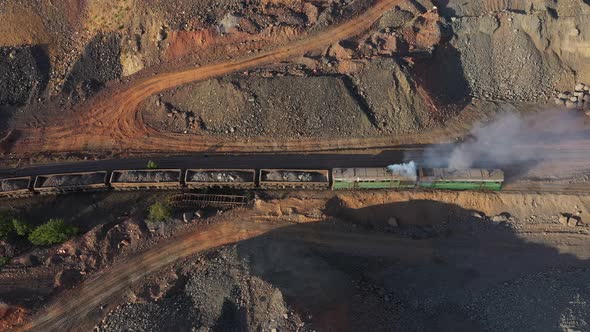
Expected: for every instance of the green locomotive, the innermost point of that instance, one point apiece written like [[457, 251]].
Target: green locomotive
[[428, 178], [372, 178]]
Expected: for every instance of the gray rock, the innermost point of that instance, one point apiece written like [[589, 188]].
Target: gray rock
[[499, 218]]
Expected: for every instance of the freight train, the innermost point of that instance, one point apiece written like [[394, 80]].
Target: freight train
[[391, 177]]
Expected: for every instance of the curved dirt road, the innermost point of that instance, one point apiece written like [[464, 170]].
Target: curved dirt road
[[76, 310], [71, 312], [117, 124]]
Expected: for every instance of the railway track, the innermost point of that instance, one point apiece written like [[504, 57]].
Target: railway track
[[56, 173], [548, 187]]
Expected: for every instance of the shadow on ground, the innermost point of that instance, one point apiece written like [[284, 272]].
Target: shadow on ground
[[405, 266], [441, 269]]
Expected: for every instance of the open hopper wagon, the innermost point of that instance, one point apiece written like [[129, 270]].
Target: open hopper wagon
[[146, 179], [15, 187], [233, 178], [294, 178], [66, 182]]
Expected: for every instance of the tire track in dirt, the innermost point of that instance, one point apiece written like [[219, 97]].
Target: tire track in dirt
[[74, 310], [71, 311], [117, 124]]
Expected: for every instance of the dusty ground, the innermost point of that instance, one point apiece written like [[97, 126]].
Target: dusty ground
[[405, 74], [98, 79], [363, 260]]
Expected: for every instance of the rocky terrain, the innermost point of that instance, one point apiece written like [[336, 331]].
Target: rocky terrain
[[220, 295], [104, 77], [422, 60], [420, 261]]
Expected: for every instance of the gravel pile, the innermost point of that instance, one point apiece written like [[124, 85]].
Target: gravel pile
[[14, 184], [221, 296], [579, 99], [177, 13], [68, 180], [515, 54], [549, 301], [146, 176], [211, 176], [166, 315], [99, 63], [294, 176], [277, 107], [390, 94], [24, 72]]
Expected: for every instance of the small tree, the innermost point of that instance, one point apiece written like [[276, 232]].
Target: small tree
[[9, 226], [160, 212], [6, 226], [53, 231], [21, 228], [152, 164]]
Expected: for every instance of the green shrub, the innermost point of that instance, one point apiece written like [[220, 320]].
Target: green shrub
[[3, 261], [9, 226], [152, 164], [21, 228], [160, 212], [53, 231], [6, 226]]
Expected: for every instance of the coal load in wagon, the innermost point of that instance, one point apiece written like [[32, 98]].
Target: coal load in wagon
[[14, 184], [146, 176], [72, 180], [219, 176], [294, 176]]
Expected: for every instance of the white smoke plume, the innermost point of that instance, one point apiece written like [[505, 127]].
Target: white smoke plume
[[510, 139], [407, 169]]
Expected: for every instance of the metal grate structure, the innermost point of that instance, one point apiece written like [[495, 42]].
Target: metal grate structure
[[189, 200]]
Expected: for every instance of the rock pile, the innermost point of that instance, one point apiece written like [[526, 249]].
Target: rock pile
[[579, 99], [13, 184], [143, 176], [73, 180], [24, 72], [220, 177], [294, 176]]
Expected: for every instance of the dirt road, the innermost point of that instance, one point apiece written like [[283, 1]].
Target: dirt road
[[72, 312], [77, 310], [115, 123]]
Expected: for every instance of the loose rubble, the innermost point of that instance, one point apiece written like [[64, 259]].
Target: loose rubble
[[293, 176], [146, 176], [72, 180], [226, 176], [577, 100]]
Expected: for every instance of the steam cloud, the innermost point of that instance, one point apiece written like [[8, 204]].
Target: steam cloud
[[509, 139], [408, 169]]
